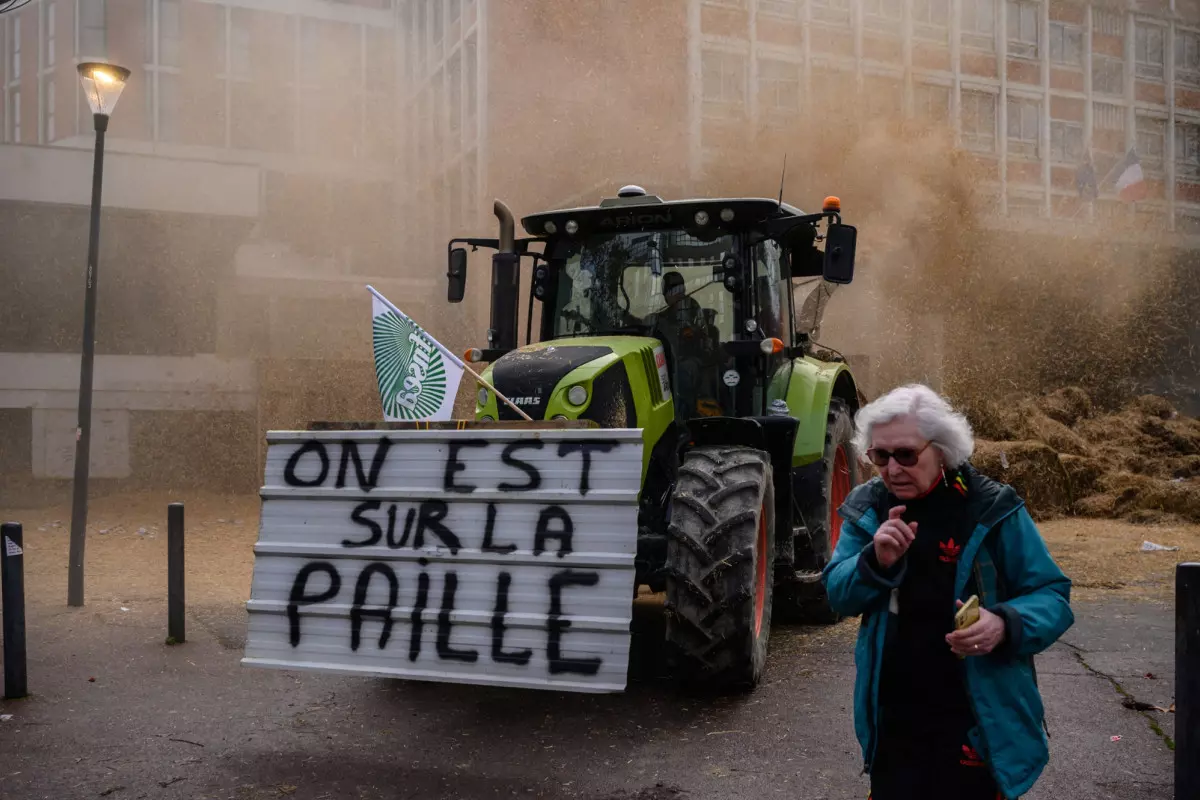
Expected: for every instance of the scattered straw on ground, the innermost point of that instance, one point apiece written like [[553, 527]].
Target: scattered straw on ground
[[1140, 463], [126, 549], [1103, 557]]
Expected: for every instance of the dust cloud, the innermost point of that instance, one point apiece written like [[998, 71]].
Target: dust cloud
[[943, 295]]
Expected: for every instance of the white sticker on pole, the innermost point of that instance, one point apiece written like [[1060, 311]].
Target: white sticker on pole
[[500, 557], [11, 548]]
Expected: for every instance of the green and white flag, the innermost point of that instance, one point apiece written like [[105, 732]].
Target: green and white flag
[[418, 377]]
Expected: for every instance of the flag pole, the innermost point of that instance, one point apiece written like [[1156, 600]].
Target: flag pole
[[451, 356]]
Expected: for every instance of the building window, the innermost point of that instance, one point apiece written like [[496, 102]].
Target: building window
[[1149, 50], [14, 47], [1108, 74], [883, 14], [931, 102], [979, 24], [1066, 142], [14, 116], [92, 30], [1151, 143], [48, 112], [834, 11], [48, 23], [884, 96], [240, 61], [979, 121], [779, 86], [931, 18], [1023, 28], [1023, 207], [454, 101], [1187, 57], [1188, 223], [163, 28], [1107, 117], [1108, 23], [1066, 45], [1187, 150], [789, 9], [723, 76], [1024, 125], [470, 88]]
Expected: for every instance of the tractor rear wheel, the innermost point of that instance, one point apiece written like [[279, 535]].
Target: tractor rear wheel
[[720, 567], [804, 599]]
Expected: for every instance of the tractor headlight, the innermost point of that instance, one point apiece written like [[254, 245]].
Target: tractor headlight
[[701, 217], [560, 417], [483, 397], [572, 226], [550, 227], [577, 395], [487, 418]]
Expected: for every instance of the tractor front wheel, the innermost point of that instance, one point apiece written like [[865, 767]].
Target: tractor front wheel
[[720, 567]]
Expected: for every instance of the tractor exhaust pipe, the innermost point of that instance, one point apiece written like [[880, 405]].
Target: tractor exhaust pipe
[[507, 226], [506, 279]]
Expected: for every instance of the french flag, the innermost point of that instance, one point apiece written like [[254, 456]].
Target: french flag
[[1131, 183]]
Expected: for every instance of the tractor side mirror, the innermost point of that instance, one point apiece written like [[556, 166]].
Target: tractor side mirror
[[456, 275], [840, 241]]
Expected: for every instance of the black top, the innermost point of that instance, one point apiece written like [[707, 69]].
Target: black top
[[922, 688]]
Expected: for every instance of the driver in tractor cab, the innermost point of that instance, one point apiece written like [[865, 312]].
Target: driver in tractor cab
[[682, 324]]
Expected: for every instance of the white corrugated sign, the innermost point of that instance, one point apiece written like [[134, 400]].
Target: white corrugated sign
[[502, 557]]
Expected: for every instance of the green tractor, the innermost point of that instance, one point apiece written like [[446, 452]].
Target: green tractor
[[678, 318]]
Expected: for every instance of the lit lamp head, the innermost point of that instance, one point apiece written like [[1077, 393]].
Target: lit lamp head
[[102, 85]]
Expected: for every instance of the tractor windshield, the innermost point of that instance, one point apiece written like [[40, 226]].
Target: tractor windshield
[[651, 283]]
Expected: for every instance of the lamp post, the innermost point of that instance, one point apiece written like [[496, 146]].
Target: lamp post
[[102, 85]]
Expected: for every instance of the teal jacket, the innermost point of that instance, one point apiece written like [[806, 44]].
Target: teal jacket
[[1006, 563]]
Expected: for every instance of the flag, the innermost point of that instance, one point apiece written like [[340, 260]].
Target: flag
[[1085, 180], [418, 377], [1131, 183]]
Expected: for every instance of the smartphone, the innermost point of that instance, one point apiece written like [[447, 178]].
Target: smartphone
[[968, 615]]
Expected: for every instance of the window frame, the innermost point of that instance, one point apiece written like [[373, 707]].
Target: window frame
[[974, 138]]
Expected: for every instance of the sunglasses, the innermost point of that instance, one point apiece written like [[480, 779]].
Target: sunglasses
[[905, 456]]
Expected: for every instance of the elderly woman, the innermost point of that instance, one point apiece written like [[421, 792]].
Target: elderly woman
[[941, 713]]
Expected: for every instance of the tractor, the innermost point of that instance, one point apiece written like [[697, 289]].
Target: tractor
[[679, 318]]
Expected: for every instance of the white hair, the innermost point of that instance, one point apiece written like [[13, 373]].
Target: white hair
[[937, 421]]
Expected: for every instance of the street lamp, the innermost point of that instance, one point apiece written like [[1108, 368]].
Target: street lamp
[[102, 85]]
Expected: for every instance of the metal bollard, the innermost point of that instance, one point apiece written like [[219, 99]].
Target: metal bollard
[[175, 573], [1187, 681], [12, 578]]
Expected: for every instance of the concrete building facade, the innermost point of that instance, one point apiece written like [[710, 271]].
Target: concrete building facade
[[249, 190]]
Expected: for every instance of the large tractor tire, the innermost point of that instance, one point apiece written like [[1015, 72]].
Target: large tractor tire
[[720, 565], [804, 599]]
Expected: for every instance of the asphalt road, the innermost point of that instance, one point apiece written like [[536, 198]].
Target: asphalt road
[[190, 722]]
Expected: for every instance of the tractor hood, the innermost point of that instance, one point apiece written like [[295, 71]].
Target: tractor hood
[[528, 376], [620, 374]]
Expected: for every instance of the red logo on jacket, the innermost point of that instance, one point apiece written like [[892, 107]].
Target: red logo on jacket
[[970, 758], [950, 551]]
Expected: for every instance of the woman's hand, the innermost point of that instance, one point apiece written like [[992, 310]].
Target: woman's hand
[[893, 538], [979, 639]]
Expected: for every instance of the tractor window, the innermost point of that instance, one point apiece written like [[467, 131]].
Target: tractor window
[[770, 288], [615, 283]]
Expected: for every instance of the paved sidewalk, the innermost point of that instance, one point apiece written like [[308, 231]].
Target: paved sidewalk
[[190, 722]]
